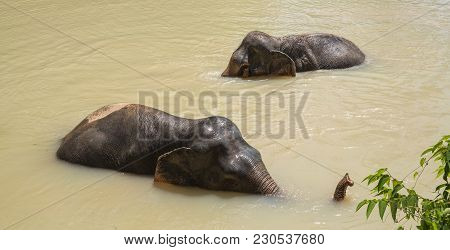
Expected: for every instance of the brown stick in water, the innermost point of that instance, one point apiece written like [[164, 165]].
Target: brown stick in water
[[341, 188]]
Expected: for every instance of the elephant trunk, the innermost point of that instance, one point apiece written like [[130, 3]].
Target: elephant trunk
[[267, 185]]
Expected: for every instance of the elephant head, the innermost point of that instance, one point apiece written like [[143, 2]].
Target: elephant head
[[260, 54], [218, 168]]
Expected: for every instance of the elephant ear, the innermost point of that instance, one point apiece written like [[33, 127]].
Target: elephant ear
[[269, 62], [185, 166], [281, 64], [258, 61], [173, 167]]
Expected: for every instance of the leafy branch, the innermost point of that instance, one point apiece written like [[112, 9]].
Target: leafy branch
[[392, 192]]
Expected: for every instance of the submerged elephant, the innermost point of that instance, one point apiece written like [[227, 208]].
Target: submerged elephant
[[263, 54], [209, 153]]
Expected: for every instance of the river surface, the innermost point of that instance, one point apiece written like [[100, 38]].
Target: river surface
[[61, 60]]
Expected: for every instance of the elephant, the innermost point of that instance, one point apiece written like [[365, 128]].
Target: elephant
[[208, 153], [341, 188], [262, 54]]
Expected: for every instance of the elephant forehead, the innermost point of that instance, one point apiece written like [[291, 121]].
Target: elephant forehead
[[105, 111]]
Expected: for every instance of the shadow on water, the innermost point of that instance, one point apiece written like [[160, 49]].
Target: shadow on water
[[197, 192], [170, 188]]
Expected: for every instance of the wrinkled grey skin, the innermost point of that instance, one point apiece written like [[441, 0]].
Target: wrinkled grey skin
[[209, 153], [263, 54]]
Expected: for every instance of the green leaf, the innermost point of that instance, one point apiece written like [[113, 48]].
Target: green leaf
[[426, 151], [439, 172], [422, 161], [382, 192], [415, 175], [435, 153], [367, 177], [440, 186], [362, 203], [396, 189], [396, 182], [411, 200], [394, 206], [381, 170], [382, 208], [437, 146], [384, 179], [404, 202], [370, 207], [372, 179]]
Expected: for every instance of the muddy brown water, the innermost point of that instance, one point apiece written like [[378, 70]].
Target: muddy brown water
[[62, 60]]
